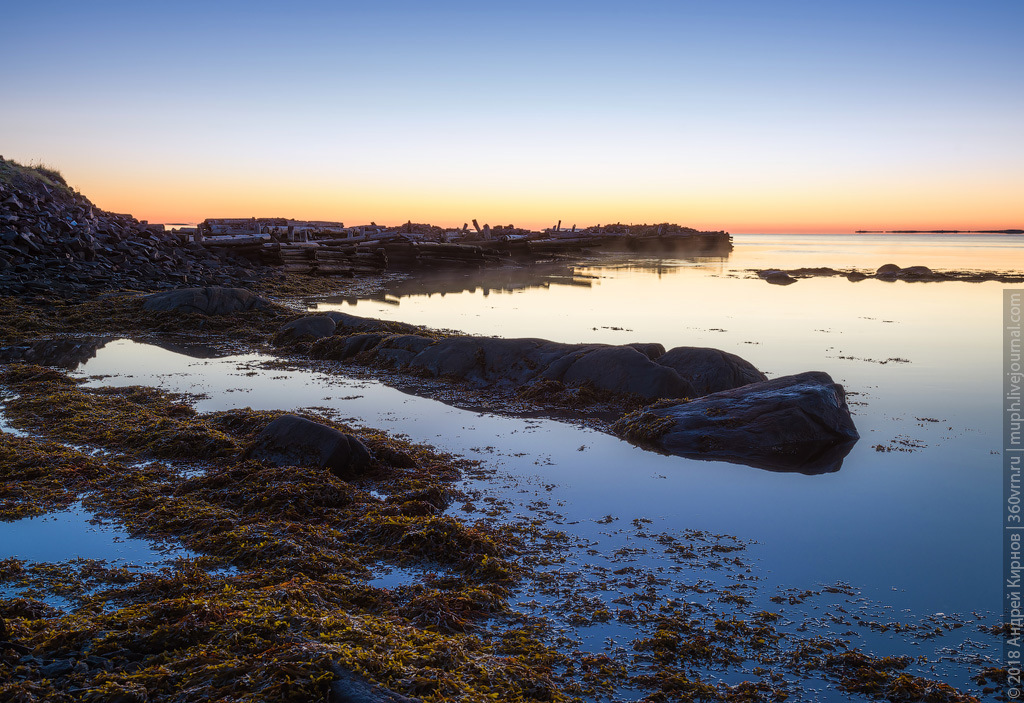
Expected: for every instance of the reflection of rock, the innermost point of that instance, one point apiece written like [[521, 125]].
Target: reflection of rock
[[64, 353], [794, 423], [295, 441], [212, 300]]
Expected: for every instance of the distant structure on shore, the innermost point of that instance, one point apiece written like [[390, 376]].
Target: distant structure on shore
[[315, 246]]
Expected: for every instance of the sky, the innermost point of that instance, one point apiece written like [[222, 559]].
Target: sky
[[748, 116]]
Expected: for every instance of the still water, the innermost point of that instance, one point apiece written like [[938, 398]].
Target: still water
[[921, 361], [912, 519]]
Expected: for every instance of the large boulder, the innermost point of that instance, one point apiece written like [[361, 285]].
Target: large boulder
[[308, 327], [295, 441], [710, 370], [212, 300], [488, 360], [794, 423], [626, 370]]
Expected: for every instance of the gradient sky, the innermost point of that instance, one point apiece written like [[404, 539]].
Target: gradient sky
[[740, 115]]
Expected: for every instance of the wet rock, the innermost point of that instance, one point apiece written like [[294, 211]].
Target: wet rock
[[890, 270], [295, 441], [309, 327], [779, 278], [60, 667], [352, 323], [340, 348], [486, 360], [210, 300], [652, 350], [710, 370], [399, 350], [626, 370], [349, 687], [795, 423], [855, 276], [917, 272]]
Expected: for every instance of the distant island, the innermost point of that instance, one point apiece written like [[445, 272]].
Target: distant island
[[940, 231]]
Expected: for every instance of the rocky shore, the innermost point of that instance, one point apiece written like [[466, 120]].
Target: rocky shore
[[287, 515], [54, 241]]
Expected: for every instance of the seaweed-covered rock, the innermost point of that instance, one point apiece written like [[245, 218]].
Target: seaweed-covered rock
[[295, 441], [308, 327], [794, 423], [211, 300], [711, 370]]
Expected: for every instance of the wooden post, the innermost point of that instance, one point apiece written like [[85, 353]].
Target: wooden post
[[574, 228], [487, 232], [476, 226], [290, 237], [558, 227]]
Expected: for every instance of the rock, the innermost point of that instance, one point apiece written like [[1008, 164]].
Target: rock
[[855, 276], [57, 668], [888, 270], [339, 348], [211, 300], [795, 423], [652, 350], [711, 370], [626, 370], [916, 272], [349, 687], [295, 441], [779, 278], [309, 327]]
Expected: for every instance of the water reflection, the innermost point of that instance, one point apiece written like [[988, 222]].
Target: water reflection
[[811, 459], [62, 353]]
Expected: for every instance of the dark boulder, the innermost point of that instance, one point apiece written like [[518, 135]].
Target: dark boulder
[[795, 423], [212, 300], [888, 271], [353, 323], [295, 441], [350, 687], [711, 370], [855, 276], [339, 348], [652, 350], [779, 278], [487, 360], [309, 327], [918, 273], [626, 370]]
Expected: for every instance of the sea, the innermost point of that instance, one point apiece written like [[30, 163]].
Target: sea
[[907, 530]]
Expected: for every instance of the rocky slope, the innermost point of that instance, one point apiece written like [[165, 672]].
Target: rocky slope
[[53, 240]]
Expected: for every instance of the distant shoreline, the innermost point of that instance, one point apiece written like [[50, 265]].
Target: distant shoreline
[[939, 231]]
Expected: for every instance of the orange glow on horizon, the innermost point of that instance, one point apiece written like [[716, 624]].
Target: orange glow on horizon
[[748, 208]]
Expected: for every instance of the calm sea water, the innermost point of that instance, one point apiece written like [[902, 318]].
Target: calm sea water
[[914, 527]]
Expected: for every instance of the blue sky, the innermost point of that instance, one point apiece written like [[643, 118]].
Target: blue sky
[[729, 114]]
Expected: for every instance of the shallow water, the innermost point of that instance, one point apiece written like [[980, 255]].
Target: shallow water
[[914, 530]]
